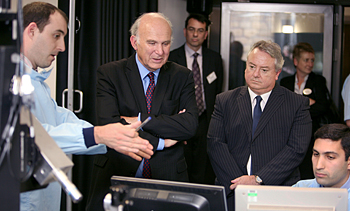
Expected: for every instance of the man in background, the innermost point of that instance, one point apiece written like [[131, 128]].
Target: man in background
[[237, 65], [288, 68], [259, 133], [43, 38], [207, 69], [307, 83], [142, 86], [330, 158]]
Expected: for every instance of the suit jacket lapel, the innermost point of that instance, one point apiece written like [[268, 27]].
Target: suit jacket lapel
[[246, 111], [182, 56], [275, 100], [161, 87], [135, 83], [206, 64], [309, 81]]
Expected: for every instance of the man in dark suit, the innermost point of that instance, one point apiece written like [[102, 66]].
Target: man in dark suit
[[259, 133], [209, 85], [146, 85], [307, 83]]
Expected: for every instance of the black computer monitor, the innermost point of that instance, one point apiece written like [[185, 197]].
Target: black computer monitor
[[215, 195]]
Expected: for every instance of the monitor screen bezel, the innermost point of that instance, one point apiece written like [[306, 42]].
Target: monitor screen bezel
[[215, 194], [265, 197]]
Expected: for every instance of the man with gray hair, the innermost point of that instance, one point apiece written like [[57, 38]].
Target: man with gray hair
[[142, 86], [259, 133]]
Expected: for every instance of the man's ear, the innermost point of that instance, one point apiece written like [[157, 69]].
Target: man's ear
[[31, 29], [277, 74], [206, 35], [348, 161], [133, 41]]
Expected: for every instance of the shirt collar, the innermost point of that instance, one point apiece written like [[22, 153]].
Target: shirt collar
[[264, 96], [143, 70], [305, 79], [190, 52], [42, 75], [346, 184]]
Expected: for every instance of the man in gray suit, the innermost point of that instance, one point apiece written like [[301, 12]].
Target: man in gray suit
[[259, 133]]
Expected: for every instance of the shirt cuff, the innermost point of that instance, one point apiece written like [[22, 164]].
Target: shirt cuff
[[89, 137], [160, 144]]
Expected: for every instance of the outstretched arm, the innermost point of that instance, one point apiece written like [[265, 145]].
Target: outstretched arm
[[124, 139]]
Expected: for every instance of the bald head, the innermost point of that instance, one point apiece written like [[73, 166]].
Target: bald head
[[151, 36], [148, 18]]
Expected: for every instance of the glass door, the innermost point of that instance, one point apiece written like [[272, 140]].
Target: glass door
[[243, 24]]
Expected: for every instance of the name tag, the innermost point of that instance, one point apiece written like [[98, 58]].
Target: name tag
[[211, 77]]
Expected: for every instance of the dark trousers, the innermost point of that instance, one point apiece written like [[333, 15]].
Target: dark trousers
[[198, 163]]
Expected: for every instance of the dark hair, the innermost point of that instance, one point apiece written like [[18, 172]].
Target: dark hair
[[39, 13], [302, 47], [336, 132], [199, 17], [236, 48]]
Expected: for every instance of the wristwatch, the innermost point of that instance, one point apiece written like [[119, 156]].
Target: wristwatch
[[258, 180]]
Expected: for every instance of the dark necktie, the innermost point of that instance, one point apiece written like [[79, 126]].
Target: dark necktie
[[146, 171], [257, 113], [198, 84]]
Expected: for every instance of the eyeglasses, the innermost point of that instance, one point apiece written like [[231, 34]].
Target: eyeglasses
[[193, 30]]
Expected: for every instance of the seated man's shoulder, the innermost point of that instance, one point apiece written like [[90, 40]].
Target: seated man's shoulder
[[308, 183]]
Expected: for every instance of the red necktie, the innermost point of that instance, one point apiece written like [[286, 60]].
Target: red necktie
[[146, 172]]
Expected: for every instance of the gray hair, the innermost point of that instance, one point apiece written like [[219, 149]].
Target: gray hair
[[273, 49], [134, 30]]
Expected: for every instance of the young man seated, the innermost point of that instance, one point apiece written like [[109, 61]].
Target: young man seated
[[330, 158]]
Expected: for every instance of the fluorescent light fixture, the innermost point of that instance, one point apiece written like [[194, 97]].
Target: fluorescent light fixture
[[287, 29]]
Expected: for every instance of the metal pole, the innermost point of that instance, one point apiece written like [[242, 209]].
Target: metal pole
[[70, 84]]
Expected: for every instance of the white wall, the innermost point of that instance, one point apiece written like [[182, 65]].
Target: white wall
[[175, 10]]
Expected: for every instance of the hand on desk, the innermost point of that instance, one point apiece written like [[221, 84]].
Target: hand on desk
[[243, 180], [124, 139]]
